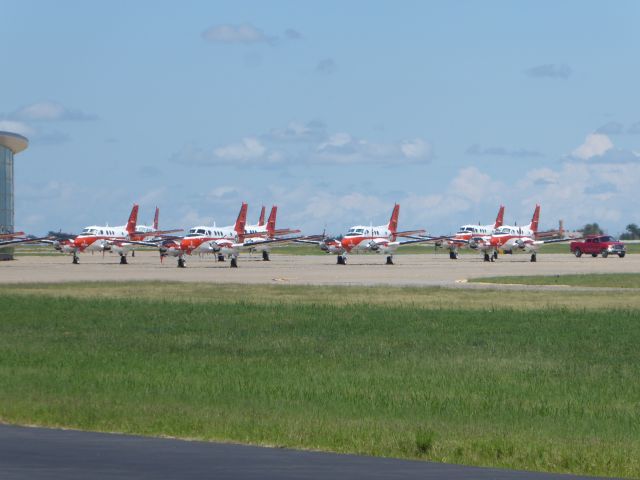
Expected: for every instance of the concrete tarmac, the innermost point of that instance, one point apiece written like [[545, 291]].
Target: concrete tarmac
[[52, 454], [411, 269]]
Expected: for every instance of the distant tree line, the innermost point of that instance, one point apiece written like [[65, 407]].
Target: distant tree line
[[632, 232]]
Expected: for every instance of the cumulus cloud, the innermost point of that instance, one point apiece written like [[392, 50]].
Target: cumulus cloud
[[308, 143], [248, 148], [343, 148], [36, 136], [415, 149], [594, 145], [326, 66], [549, 70], [13, 126], [50, 111], [236, 34], [501, 152]]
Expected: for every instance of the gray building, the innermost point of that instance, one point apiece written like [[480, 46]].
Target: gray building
[[10, 144]]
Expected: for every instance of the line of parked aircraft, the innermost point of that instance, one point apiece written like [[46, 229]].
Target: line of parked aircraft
[[230, 241]]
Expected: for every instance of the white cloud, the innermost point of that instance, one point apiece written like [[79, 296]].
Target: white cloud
[[247, 149], [417, 148], [595, 144], [306, 144], [50, 111], [230, 34], [13, 126]]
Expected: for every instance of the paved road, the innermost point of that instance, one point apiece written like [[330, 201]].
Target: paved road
[[38, 454]]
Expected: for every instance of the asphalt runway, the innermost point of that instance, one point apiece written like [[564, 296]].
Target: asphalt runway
[[51, 454], [427, 269]]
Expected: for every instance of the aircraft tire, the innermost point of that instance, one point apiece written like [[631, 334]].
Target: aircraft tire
[[234, 262], [389, 260], [123, 260], [265, 256], [534, 257]]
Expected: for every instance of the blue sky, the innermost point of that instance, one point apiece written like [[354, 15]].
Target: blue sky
[[332, 110]]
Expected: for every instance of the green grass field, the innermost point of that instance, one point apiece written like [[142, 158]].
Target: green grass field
[[489, 379], [618, 280]]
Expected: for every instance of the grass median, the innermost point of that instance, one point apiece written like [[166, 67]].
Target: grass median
[[550, 389], [607, 280]]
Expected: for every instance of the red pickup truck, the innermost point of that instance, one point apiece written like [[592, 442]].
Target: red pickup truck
[[598, 244]]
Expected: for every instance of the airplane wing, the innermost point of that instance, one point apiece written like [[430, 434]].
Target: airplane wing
[[409, 233], [556, 240], [309, 241], [11, 235], [158, 233], [264, 242], [423, 240], [7, 243]]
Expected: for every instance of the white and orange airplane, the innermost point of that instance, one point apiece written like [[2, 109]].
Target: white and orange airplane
[[511, 238], [260, 237], [467, 232], [381, 239], [255, 235], [223, 241], [203, 239], [118, 239]]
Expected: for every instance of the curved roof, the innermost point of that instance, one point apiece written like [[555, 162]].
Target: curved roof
[[14, 142]]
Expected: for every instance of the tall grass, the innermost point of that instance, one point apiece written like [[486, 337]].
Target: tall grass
[[546, 389]]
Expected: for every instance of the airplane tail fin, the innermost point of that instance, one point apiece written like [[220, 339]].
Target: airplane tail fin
[[535, 219], [261, 219], [393, 221], [133, 220], [156, 218], [499, 218], [271, 223], [241, 221]]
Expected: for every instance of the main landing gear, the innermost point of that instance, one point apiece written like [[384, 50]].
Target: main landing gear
[[453, 255], [265, 256], [123, 260], [220, 257], [389, 260], [181, 263], [234, 262], [342, 260], [491, 257], [534, 257], [75, 260]]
